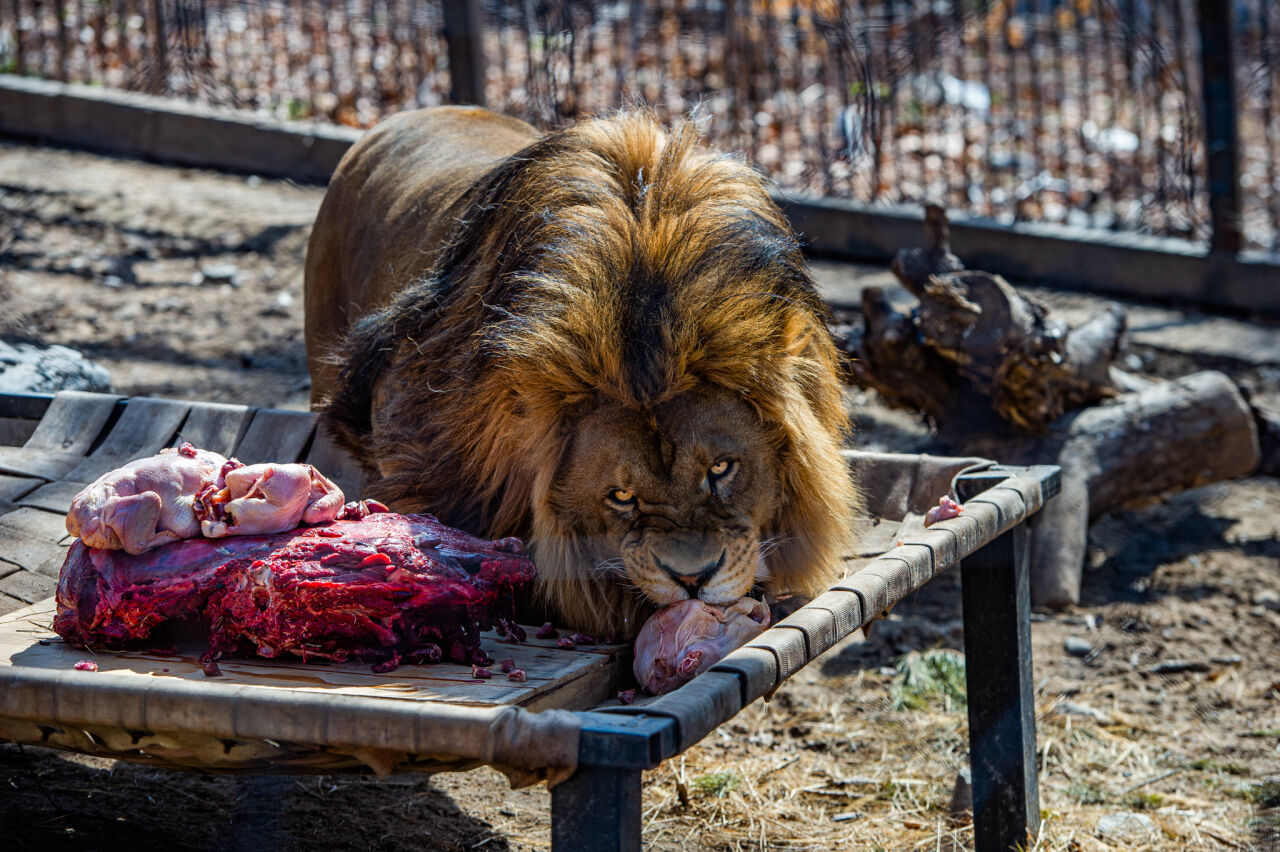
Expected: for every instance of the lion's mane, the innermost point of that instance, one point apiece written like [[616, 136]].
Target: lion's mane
[[608, 261]]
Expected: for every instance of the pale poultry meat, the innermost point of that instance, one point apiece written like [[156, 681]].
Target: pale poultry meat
[[184, 493], [268, 498], [145, 503]]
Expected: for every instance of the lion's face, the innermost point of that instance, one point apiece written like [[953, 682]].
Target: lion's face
[[674, 501]]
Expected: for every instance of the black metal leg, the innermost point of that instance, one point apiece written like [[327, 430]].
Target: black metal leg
[[1002, 721], [597, 809]]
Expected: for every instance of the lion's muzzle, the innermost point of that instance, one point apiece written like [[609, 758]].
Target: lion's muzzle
[[717, 567], [693, 582]]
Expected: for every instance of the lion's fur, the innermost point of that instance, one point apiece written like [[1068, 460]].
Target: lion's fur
[[611, 261]]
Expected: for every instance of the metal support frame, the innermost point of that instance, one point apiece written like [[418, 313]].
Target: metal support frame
[[996, 592], [598, 809], [1221, 125], [462, 32]]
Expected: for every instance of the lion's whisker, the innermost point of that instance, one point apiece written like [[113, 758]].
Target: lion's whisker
[[769, 545]]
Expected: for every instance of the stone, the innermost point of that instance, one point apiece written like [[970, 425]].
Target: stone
[[1268, 599], [26, 368], [219, 272], [1077, 647], [1179, 666], [1071, 708], [1127, 828]]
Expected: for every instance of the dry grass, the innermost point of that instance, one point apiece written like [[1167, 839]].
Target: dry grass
[[830, 764]]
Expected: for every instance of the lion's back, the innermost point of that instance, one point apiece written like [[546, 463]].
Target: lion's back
[[388, 210]]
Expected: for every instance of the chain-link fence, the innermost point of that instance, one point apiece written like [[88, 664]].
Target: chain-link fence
[[1084, 112]]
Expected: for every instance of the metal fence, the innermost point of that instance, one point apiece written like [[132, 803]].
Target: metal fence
[[1079, 111]]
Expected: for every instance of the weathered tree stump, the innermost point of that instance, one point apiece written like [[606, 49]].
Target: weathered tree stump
[[1000, 378], [974, 337]]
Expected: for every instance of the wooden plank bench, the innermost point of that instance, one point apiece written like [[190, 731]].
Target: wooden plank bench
[[286, 716]]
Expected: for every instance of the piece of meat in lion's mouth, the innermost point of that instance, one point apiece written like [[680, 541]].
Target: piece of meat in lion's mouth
[[383, 588], [687, 638]]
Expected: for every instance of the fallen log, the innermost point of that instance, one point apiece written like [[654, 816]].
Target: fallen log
[[1140, 446]]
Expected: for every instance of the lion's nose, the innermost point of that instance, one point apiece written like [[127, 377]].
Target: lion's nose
[[694, 582]]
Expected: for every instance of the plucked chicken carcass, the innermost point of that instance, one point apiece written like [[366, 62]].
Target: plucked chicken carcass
[[683, 640], [146, 503], [381, 589], [185, 492], [268, 498]]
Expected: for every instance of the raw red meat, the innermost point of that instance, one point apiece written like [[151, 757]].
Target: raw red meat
[[685, 639], [382, 589]]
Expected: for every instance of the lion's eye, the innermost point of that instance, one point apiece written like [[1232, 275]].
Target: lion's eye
[[720, 469], [623, 496]]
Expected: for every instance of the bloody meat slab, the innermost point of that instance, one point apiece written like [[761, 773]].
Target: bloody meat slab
[[382, 589]]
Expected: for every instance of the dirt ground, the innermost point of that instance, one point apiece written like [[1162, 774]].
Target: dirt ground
[[189, 284]]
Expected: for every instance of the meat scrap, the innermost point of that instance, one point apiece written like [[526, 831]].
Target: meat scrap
[[184, 493], [946, 508], [683, 640], [384, 589]]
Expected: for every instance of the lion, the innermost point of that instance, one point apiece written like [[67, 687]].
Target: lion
[[604, 340]]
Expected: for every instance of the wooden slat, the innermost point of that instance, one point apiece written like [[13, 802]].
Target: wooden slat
[[50, 526], [27, 586], [53, 497], [16, 487], [68, 429], [146, 426], [214, 426], [73, 422], [29, 552], [16, 431], [46, 464], [34, 540], [336, 463], [275, 435]]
